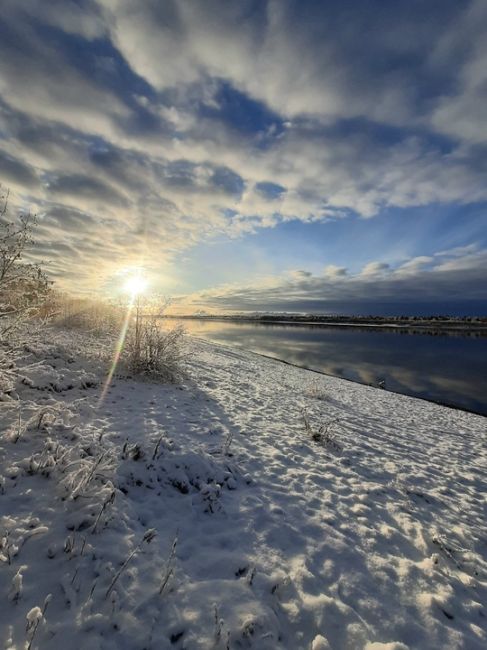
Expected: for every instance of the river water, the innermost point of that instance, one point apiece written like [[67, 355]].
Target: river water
[[450, 368]]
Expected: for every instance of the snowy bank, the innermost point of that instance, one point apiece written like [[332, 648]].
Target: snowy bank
[[254, 505]]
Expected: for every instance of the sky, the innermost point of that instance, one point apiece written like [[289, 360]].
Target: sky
[[253, 155]]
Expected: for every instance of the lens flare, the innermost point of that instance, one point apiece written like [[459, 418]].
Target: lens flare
[[136, 285], [118, 352]]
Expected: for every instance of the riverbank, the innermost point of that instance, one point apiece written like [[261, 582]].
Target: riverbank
[[254, 505], [449, 369], [472, 325]]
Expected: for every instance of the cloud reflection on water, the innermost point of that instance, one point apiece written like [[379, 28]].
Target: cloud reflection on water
[[444, 368]]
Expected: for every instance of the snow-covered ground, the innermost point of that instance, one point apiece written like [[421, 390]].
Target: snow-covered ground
[[254, 505]]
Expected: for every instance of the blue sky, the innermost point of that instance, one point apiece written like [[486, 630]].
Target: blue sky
[[291, 155]]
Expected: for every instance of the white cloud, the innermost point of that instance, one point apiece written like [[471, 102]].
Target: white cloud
[[461, 113], [374, 269], [67, 15], [333, 271], [415, 264], [147, 170]]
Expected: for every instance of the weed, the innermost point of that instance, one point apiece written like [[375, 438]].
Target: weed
[[323, 434], [107, 502], [169, 566], [315, 391], [227, 444], [146, 539]]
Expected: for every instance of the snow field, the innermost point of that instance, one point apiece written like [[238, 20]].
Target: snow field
[[255, 505]]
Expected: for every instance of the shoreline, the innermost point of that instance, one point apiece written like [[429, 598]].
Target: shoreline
[[327, 374], [359, 383], [426, 326], [439, 402]]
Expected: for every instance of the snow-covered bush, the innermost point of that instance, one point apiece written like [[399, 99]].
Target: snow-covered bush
[[23, 286], [153, 351], [147, 348]]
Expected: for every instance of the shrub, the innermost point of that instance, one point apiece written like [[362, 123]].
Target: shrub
[[23, 286], [154, 352], [148, 350]]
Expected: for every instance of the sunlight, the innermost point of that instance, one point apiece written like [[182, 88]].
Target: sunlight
[[118, 351], [136, 285]]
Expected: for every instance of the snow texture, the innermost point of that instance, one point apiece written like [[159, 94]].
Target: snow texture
[[254, 505]]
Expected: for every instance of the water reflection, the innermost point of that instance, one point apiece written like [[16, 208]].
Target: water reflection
[[449, 368]]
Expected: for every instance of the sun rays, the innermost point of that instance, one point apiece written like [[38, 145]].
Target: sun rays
[[135, 286]]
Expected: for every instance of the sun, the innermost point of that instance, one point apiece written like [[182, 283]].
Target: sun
[[136, 285]]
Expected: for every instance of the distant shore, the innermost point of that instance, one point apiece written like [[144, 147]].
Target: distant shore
[[443, 323]]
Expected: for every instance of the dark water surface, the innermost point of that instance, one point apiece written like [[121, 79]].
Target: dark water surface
[[450, 368]]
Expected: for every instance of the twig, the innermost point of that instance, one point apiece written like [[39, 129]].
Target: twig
[[108, 501], [169, 569], [156, 448], [147, 538]]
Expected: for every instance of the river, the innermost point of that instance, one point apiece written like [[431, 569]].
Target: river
[[449, 368]]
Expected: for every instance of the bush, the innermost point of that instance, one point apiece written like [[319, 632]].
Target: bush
[[23, 286], [154, 352], [148, 350]]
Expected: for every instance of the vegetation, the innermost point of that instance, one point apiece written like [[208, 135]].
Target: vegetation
[[87, 314], [25, 292], [148, 349], [151, 350], [434, 322], [323, 433], [24, 286]]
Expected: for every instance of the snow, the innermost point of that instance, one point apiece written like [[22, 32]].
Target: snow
[[254, 505]]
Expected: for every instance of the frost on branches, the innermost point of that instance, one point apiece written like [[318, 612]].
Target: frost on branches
[[23, 285]]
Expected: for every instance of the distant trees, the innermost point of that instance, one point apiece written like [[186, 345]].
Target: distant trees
[[23, 285]]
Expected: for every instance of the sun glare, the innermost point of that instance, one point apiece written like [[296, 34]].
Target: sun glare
[[136, 285]]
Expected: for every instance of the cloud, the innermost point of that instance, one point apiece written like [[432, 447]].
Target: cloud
[[17, 172], [460, 112], [299, 274], [444, 281], [415, 264], [298, 58], [36, 79], [78, 186], [306, 58], [154, 126], [374, 268], [67, 15], [333, 271]]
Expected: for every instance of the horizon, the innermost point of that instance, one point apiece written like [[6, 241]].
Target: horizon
[[320, 314], [292, 156]]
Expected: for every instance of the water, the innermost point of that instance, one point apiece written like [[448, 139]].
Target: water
[[450, 368]]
